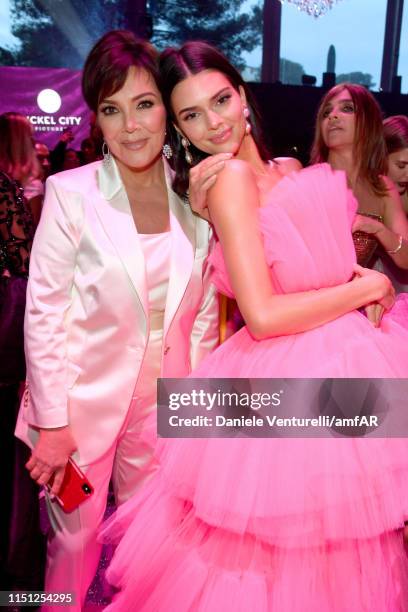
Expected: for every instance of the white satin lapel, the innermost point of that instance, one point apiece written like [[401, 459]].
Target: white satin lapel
[[182, 225], [116, 217]]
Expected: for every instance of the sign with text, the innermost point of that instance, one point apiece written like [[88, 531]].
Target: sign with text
[[51, 98], [282, 408]]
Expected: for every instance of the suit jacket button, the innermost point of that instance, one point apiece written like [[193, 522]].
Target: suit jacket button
[[166, 350]]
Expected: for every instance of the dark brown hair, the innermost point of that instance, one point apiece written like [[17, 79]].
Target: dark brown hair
[[108, 63], [176, 65], [396, 133], [369, 151]]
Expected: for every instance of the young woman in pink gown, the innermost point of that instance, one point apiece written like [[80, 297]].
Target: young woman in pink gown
[[272, 525]]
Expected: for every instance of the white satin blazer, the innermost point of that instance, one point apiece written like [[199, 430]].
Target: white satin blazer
[[86, 324]]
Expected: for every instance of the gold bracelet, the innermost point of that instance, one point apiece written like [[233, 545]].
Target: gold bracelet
[[398, 247]]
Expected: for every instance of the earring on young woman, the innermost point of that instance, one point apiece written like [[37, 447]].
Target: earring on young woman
[[186, 143], [247, 123], [107, 157]]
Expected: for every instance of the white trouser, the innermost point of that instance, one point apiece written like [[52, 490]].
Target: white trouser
[[73, 550]]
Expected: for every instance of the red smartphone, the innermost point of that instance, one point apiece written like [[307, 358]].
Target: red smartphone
[[75, 488]]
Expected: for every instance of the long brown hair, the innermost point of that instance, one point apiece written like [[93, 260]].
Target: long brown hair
[[369, 150], [176, 65], [17, 154]]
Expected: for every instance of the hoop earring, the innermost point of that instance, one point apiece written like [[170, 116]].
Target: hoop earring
[[107, 157], [247, 123], [186, 143], [167, 150]]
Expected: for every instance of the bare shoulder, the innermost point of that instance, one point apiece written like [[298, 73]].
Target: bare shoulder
[[288, 164], [394, 215], [235, 174], [236, 182], [392, 198], [388, 182], [237, 167]]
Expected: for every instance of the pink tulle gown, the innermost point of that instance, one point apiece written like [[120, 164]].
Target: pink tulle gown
[[279, 525]]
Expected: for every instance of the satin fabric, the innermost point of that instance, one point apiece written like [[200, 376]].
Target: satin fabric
[[89, 358], [86, 324]]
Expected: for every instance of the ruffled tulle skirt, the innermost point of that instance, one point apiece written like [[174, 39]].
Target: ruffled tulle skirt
[[270, 525], [182, 563]]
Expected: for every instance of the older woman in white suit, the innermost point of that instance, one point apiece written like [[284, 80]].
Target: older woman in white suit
[[118, 295]]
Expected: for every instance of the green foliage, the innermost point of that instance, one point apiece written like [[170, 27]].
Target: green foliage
[[359, 78], [55, 33], [223, 24], [6, 57], [58, 33]]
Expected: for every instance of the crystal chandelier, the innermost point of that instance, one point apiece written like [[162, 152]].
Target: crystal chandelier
[[316, 8]]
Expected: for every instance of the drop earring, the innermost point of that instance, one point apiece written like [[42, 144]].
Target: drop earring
[[107, 157], [186, 143], [247, 123]]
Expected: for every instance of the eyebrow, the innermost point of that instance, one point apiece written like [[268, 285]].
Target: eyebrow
[[330, 103], [190, 108], [134, 99]]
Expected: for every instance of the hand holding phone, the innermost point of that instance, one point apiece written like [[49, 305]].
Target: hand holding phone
[[50, 456], [75, 488]]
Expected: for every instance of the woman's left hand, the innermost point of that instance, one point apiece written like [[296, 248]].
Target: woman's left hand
[[375, 310], [366, 224], [374, 313]]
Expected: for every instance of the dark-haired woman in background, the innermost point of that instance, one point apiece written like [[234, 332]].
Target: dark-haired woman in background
[[118, 295], [264, 524], [396, 140]]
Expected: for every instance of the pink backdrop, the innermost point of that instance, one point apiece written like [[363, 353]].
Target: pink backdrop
[[20, 88]]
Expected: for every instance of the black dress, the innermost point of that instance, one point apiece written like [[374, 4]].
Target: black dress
[[22, 547]]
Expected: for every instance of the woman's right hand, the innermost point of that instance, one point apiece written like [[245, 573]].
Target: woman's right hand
[[202, 178], [50, 456], [380, 290]]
